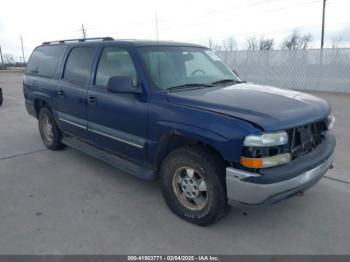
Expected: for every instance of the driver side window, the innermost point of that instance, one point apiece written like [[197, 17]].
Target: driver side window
[[114, 61]]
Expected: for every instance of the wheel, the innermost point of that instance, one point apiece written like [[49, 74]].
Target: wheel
[[193, 184], [49, 131]]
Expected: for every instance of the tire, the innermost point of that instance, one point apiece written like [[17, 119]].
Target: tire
[[50, 134], [181, 195]]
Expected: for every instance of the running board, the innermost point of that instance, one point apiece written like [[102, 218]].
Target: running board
[[113, 160]]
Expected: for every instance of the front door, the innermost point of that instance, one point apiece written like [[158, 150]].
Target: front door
[[116, 121]]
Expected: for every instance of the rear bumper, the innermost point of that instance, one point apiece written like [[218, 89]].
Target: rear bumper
[[241, 189]]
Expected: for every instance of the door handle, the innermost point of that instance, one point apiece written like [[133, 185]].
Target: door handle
[[91, 100], [60, 93]]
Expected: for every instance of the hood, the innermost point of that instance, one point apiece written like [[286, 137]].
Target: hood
[[268, 107]]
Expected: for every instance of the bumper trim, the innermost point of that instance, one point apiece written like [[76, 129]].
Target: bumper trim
[[248, 193]]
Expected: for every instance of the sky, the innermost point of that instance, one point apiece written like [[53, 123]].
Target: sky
[[180, 20]]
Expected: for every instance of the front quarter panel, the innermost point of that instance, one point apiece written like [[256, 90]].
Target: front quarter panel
[[223, 133]]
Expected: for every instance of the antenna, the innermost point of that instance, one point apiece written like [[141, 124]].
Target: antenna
[[157, 45], [83, 31], [24, 59]]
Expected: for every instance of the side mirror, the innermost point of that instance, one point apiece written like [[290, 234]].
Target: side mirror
[[122, 84]]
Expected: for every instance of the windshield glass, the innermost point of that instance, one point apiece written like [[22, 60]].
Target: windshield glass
[[176, 66]]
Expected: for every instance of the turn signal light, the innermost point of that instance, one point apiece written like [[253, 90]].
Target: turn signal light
[[252, 162], [265, 161]]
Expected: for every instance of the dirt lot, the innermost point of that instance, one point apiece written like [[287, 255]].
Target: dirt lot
[[68, 203]]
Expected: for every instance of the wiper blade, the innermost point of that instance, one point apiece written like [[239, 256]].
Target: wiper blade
[[224, 81], [184, 86]]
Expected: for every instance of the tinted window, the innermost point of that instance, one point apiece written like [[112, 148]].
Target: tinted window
[[44, 60], [114, 62], [78, 65]]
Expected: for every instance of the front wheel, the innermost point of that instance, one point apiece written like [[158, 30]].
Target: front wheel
[[49, 131], [193, 184]]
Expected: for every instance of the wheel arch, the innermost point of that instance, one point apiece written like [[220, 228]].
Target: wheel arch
[[174, 140]]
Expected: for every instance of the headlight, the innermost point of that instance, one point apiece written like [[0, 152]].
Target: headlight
[[266, 150], [330, 121], [267, 139]]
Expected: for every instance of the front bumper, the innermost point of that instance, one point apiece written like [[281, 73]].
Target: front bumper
[[241, 189]]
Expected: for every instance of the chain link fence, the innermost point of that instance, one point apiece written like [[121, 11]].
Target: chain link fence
[[311, 69]]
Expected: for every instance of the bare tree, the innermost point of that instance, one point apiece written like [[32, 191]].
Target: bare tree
[[8, 59], [229, 44], [296, 41], [213, 45], [305, 41], [210, 43], [252, 43], [336, 42], [217, 47], [266, 43]]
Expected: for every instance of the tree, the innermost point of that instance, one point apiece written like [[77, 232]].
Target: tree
[[296, 41], [260, 44], [229, 44], [336, 42], [217, 47], [266, 43], [8, 59], [252, 43], [210, 43]]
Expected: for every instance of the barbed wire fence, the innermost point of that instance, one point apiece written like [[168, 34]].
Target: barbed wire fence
[[310, 69]]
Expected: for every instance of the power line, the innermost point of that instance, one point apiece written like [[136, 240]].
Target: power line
[[288, 7], [208, 21], [266, 33]]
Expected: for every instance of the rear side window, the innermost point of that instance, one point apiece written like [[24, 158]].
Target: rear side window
[[114, 61], [78, 65], [44, 60]]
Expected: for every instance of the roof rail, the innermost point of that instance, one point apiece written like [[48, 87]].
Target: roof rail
[[79, 40]]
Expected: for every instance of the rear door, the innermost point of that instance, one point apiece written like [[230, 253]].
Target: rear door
[[72, 91], [40, 79], [117, 122]]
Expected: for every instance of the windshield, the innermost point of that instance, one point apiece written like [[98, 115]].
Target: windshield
[[178, 66]]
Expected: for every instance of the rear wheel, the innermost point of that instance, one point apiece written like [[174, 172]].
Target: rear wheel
[[49, 131], [193, 184]]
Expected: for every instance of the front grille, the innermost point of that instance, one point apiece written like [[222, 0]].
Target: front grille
[[304, 139]]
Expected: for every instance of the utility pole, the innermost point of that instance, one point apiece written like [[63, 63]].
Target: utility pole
[[323, 18], [84, 31], [2, 59], [24, 59]]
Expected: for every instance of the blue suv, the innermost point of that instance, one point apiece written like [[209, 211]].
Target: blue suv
[[176, 111]]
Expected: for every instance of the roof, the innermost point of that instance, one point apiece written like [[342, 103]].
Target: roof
[[135, 42]]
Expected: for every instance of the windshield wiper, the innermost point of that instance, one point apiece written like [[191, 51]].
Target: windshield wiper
[[225, 81], [189, 85]]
